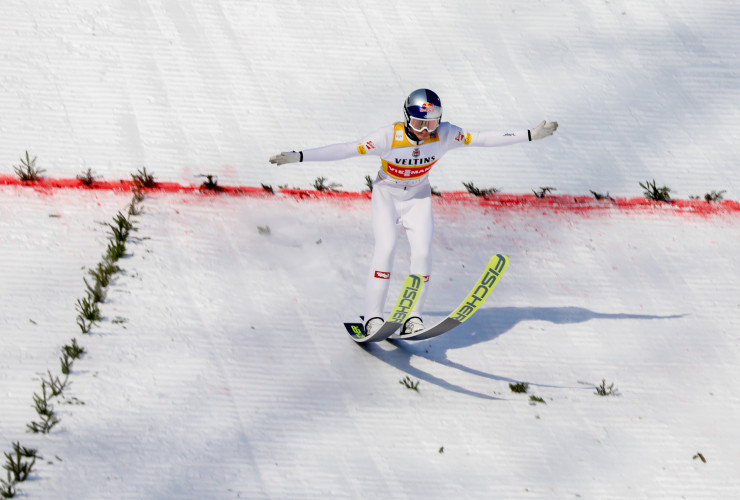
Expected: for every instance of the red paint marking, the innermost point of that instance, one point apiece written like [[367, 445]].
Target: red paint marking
[[521, 202], [122, 185], [587, 204]]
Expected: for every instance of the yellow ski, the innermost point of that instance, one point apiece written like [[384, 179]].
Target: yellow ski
[[480, 292]]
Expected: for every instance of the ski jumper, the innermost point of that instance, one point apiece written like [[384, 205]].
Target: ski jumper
[[402, 195]]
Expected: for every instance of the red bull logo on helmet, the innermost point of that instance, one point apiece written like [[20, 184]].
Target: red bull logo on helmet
[[426, 107]]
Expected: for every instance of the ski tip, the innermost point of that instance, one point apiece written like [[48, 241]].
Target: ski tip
[[356, 331]]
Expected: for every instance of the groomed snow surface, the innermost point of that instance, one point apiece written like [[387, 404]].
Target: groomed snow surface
[[221, 368]]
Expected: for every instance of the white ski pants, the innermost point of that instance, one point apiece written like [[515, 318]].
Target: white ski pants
[[393, 207]]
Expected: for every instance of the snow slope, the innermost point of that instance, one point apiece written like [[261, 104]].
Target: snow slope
[[227, 373], [221, 369], [641, 90]]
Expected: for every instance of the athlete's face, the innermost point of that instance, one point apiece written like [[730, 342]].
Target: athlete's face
[[423, 135]]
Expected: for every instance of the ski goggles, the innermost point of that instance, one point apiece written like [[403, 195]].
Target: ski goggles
[[422, 124]]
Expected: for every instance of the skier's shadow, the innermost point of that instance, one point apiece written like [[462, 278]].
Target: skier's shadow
[[486, 325]]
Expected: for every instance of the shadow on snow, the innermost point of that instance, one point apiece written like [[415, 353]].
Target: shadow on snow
[[486, 325]]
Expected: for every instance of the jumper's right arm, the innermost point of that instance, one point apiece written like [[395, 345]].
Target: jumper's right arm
[[325, 153], [372, 144]]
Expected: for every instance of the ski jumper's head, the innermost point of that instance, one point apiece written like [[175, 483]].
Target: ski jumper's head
[[423, 112]]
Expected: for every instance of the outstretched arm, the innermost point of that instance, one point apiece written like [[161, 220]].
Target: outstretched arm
[[496, 138], [325, 153], [544, 129], [372, 144]]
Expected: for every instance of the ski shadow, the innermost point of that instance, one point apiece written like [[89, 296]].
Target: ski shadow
[[486, 325]]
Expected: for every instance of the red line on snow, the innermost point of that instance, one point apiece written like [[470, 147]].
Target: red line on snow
[[523, 202], [121, 185], [586, 204]]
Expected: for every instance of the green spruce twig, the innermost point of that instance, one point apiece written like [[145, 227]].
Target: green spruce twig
[[138, 194], [533, 400], [45, 411], [121, 227], [95, 293], [133, 208], [73, 350], [66, 362], [27, 171], [715, 196], [211, 182], [104, 272], [320, 185], [519, 387], [7, 488], [600, 196], [55, 385], [604, 390], [18, 464], [87, 178], [409, 384], [143, 179], [543, 191], [89, 309], [655, 193], [85, 325], [115, 251], [480, 192]]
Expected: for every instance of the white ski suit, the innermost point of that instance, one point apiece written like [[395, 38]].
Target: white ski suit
[[402, 195]]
